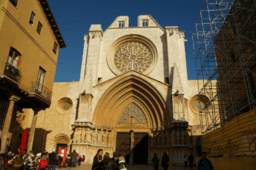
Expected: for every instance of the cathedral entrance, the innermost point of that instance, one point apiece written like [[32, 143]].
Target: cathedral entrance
[[140, 150], [133, 146]]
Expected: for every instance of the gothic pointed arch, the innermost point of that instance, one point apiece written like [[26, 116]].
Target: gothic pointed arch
[[131, 89]]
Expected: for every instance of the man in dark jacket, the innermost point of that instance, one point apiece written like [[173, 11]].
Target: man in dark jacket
[[108, 163], [191, 161], [204, 163], [73, 156], [53, 159], [165, 161]]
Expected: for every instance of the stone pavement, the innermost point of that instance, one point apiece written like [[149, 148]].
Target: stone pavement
[[129, 167]]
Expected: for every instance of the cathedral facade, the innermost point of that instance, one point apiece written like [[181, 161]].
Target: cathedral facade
[[133, 97]]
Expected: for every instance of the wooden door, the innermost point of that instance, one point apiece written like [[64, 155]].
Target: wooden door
[[123, 145], [140, 151]]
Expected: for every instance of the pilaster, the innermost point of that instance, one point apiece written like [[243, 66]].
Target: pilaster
[[91, 76], [84, 60], [176, 52]]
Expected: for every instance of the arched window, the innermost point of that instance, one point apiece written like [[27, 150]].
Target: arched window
[[145, 23], [13, 57]]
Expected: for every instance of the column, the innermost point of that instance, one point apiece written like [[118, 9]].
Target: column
[[7, 121], [32, 130]]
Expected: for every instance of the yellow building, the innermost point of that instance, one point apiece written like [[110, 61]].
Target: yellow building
[[29, 45]]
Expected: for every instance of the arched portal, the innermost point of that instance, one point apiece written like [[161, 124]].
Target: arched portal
[[133, 107], [131, 89]]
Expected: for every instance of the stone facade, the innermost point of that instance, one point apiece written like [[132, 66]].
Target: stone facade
[[141, 67]]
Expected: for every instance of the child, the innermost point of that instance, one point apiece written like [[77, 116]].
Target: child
[[121, 163]]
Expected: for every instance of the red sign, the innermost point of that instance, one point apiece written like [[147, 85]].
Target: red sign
[[63, 154]]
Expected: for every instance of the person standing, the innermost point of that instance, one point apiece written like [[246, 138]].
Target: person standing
[[83, 160], [73, 156], [165, 161], [42, 164], [108, 163], [68, 160], [79, 160], [97, 160], [191, 161], [53, 159], [155, 161], [18, 163], [204, 163], [186, 160]]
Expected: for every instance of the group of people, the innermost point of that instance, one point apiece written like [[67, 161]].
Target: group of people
[[40, 161], [101, 162]]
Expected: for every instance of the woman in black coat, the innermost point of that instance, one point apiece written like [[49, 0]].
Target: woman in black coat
[[165, 161], [155, 161], [97, 160], [108, 163]]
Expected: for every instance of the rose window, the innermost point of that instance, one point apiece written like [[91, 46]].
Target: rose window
[[133, 56], [199, 105]]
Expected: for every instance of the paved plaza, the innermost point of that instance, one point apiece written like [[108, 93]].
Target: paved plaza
[[129, 167]]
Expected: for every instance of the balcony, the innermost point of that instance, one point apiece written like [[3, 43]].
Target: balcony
[[12, 72], [41, 90]]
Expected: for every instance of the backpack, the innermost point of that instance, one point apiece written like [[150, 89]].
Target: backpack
[[42, 164]]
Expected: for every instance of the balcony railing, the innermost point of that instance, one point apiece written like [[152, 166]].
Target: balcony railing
[[40, 89], [12, 72]]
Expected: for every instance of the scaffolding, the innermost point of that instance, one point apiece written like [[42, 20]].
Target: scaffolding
[[224, 44]]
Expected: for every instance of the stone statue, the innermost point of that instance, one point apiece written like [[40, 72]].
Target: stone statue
[[99, 139], [178, 138], [159, 140], [174, 138], [88, 137], [108, 139], [93, 138], [182, 137], [104, 139], [163, 139], [74, 136]]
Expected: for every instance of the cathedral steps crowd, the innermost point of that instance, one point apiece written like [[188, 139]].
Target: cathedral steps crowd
[[53, 161]]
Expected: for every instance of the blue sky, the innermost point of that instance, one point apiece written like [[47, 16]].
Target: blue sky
[[75, 17]]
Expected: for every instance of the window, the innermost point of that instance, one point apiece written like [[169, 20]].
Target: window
[[13, 57], [166, 80], [31, 21], [14, 2], [145, 23], [99, 80], [55, 47], [39, 27], [121, 24], [40, 79]]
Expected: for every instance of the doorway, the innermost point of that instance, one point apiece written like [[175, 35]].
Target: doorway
[[140, 150], [123, 145]]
